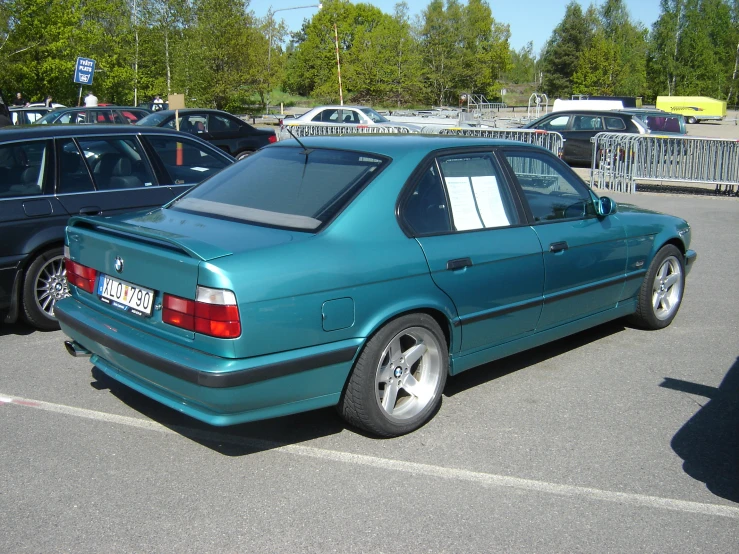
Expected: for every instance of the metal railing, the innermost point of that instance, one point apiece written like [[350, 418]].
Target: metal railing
[[327, 130], [550, 140], [620, 159]]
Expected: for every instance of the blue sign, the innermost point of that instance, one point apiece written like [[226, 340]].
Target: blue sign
[[84, 71]]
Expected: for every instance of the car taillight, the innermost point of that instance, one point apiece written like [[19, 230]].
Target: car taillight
[[272, 138], [80, 276], [213, 312]]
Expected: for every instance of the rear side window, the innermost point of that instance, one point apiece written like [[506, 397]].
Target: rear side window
[[615, 124], [117, 163], [74, 175], [220, 124], [285, 187], [22, 168], [587, 123], [477, 198], [185, 162]]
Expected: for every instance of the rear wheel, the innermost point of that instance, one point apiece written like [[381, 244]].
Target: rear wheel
[[661, 293], [691, 119], [44, 284], [243, 155], [397, 381]]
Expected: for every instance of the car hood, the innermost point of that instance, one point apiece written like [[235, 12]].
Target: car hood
[[202, 237]]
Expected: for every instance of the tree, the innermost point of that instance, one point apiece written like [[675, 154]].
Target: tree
[[562, 52]]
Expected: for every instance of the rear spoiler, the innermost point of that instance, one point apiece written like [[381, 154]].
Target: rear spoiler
[[192, 247]]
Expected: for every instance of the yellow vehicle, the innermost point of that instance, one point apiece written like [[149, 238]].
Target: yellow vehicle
[[694, 108]]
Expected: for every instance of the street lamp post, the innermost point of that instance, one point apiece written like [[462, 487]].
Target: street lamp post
[[272, 13]]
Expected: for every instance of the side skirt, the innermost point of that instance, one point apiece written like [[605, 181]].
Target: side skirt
[[458, 364]]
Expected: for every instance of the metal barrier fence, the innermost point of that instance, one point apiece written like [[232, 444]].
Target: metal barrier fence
[[620, 159], [327, 130], [552, 141]]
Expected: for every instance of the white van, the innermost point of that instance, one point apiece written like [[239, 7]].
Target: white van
[[561, 105]]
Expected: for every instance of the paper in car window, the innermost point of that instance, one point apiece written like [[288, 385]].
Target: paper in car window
[[464, 210], [489, 202], [199, 168]]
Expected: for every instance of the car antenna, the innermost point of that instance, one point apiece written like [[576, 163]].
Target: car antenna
[[306, 150]]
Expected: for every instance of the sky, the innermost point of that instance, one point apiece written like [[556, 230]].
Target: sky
[[530, 20]]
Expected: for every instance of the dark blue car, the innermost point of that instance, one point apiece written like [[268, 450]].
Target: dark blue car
[[49, 173]]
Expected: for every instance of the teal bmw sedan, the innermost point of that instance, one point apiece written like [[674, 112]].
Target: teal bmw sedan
[[359, 272]]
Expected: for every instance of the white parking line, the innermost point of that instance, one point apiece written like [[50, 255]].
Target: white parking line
[[480, 478]]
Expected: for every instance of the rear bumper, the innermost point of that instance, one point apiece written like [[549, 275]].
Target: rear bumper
[[218, 391]]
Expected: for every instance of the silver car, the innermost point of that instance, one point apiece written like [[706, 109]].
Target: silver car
[[342, 115]]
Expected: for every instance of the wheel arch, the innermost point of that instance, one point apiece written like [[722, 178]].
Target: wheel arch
[[17, 292]]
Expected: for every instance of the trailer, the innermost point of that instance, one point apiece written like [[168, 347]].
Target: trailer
[[694, 108]]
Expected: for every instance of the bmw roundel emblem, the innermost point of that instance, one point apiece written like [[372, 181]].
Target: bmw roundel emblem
[[118, 264]]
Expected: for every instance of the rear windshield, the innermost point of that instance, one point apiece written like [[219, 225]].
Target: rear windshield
[[285, 187]]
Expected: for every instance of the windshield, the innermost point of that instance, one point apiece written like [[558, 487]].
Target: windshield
[[48, 118], [153, 120], [284, 187], [374, 116]]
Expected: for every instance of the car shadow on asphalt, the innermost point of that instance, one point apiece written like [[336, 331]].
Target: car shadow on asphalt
[[500, 368], [18, 328], [249, 438], [708, 443]]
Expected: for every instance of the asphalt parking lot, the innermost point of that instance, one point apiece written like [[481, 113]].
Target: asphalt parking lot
[[614, 440]]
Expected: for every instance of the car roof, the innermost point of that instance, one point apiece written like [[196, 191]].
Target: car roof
[[192, 110], [61, 131], [399, 145]]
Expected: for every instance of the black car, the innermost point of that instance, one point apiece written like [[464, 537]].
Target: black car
[[98, 114], [49, 173], [222, 129], [577, 127]]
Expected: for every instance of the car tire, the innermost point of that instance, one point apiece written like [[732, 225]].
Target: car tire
[[396, 384], [691, 119], [45, 283], [661, 292], [242, 155]]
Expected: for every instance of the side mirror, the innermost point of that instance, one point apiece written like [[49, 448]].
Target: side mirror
[[605, 206]]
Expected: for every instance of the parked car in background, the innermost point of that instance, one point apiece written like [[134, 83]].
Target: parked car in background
[[577, 127], [48, 173], [220, 128], [343, 115], [371, 269], [27, 115], [99, 114], [659, 122]]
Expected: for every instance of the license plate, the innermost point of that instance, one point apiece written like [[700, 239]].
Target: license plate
[[125, 296]]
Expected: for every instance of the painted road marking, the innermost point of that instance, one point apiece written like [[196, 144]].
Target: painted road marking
[[480, 478]]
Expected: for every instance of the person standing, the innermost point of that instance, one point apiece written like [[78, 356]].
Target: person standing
[[157, 104], [91, 100], [19, 100], [48, 102]]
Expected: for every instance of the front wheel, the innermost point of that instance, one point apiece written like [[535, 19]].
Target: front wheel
[[397, 381], [691, 119], [44, 284], [661, 292]]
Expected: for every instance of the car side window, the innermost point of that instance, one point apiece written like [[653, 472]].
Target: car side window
[[551, 193], [350, 117], [426, 209], [185, 161], [74, 175], [194, 124], [117, 163], [22, 168], [220, 124], [478, 198], [555, 124], [587, 123], [615, 124]]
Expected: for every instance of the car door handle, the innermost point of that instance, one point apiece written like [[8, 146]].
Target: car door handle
[[558, 247], [90, 210], [459, 263]]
